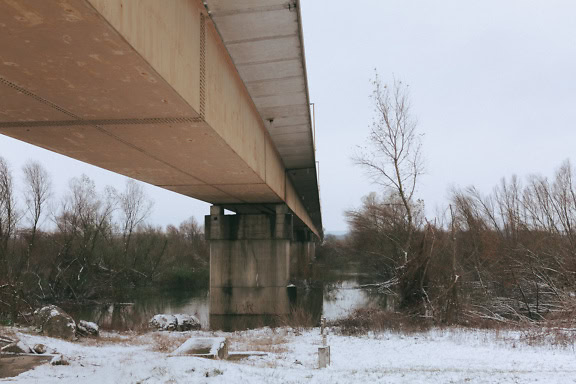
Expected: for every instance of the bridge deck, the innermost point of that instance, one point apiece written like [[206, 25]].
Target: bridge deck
[[143, 88]]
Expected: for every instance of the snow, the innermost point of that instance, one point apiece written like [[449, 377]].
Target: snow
[[437, 356], [212, 345]]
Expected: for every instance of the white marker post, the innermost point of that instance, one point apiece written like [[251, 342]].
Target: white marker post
[[324, 350]]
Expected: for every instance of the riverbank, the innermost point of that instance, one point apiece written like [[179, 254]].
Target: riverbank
[[434, 356]]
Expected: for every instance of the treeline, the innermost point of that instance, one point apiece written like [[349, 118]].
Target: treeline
[[509, 256], [88, 244]]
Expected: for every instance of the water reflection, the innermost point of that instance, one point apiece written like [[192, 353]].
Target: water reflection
[[333, 301], [348, 296], [135, 315]]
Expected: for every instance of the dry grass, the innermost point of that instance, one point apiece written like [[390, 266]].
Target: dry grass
[[559, 337], [167, 342], [298, 319], [157, 341], [271, 344], [365, 320], [104, 339], [561, 334]]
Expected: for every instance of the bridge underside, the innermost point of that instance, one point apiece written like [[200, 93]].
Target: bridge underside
[[143, 88], [148, 89]]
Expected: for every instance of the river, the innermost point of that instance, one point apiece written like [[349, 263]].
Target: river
[[333, 301]]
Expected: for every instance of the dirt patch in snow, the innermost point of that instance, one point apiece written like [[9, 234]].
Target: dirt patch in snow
[[11, 365]]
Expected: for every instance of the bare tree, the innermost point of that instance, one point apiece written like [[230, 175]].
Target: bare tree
[[135, 207], [8, 215], [393, 156], [84, 222], [193, 233], [36, 194]]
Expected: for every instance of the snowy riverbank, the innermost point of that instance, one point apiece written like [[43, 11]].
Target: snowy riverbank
[[438, 356]]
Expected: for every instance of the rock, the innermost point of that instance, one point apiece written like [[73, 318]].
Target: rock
[[54, 322], [16, 347], [187, 322], [164, 322], [87, 328], [209, 347], [178, 322], [40, 349], [59, 360]]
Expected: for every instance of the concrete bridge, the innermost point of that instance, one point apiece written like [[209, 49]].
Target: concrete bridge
[[208, 99]]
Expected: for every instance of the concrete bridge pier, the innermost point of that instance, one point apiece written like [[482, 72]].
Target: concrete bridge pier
[[249, 261], [302, 253]]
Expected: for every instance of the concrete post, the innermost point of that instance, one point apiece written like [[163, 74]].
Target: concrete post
[[323, 357], [249, 262]]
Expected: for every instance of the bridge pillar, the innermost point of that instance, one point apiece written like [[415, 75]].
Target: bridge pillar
[[302, 253], [249, 262]]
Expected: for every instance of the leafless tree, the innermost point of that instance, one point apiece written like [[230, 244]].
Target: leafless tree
[[392, 156], [37, 191], [8, 216], [134, 207], [84, 220]]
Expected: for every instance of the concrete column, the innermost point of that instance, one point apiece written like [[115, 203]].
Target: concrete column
[[302, 253], [249, 262]]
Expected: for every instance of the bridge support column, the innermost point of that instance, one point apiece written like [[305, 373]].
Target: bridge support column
[[249, 262], [302, 252]]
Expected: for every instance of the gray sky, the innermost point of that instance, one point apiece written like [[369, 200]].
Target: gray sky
[[493, 87]]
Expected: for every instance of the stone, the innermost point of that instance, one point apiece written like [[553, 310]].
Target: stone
[[164, 322], [177, 322], [187, 322], [16, 347], [54, 322], [40, 349], [87, 328], [209, 347], [59, 360]]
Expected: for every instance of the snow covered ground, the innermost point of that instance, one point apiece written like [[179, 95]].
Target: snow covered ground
[[438, 356]]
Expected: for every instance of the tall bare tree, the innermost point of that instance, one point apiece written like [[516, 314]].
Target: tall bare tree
[[37, 191], [392, 156], [134, 207], [8, 216]]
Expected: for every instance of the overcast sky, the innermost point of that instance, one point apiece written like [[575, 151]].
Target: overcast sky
[[493, 87]]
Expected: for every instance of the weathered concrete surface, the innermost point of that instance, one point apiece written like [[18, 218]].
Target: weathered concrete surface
[[302, 253], [264, 41], [249, 262], [249, 301]]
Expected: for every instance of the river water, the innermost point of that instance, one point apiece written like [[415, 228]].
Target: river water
[[333, 301]]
